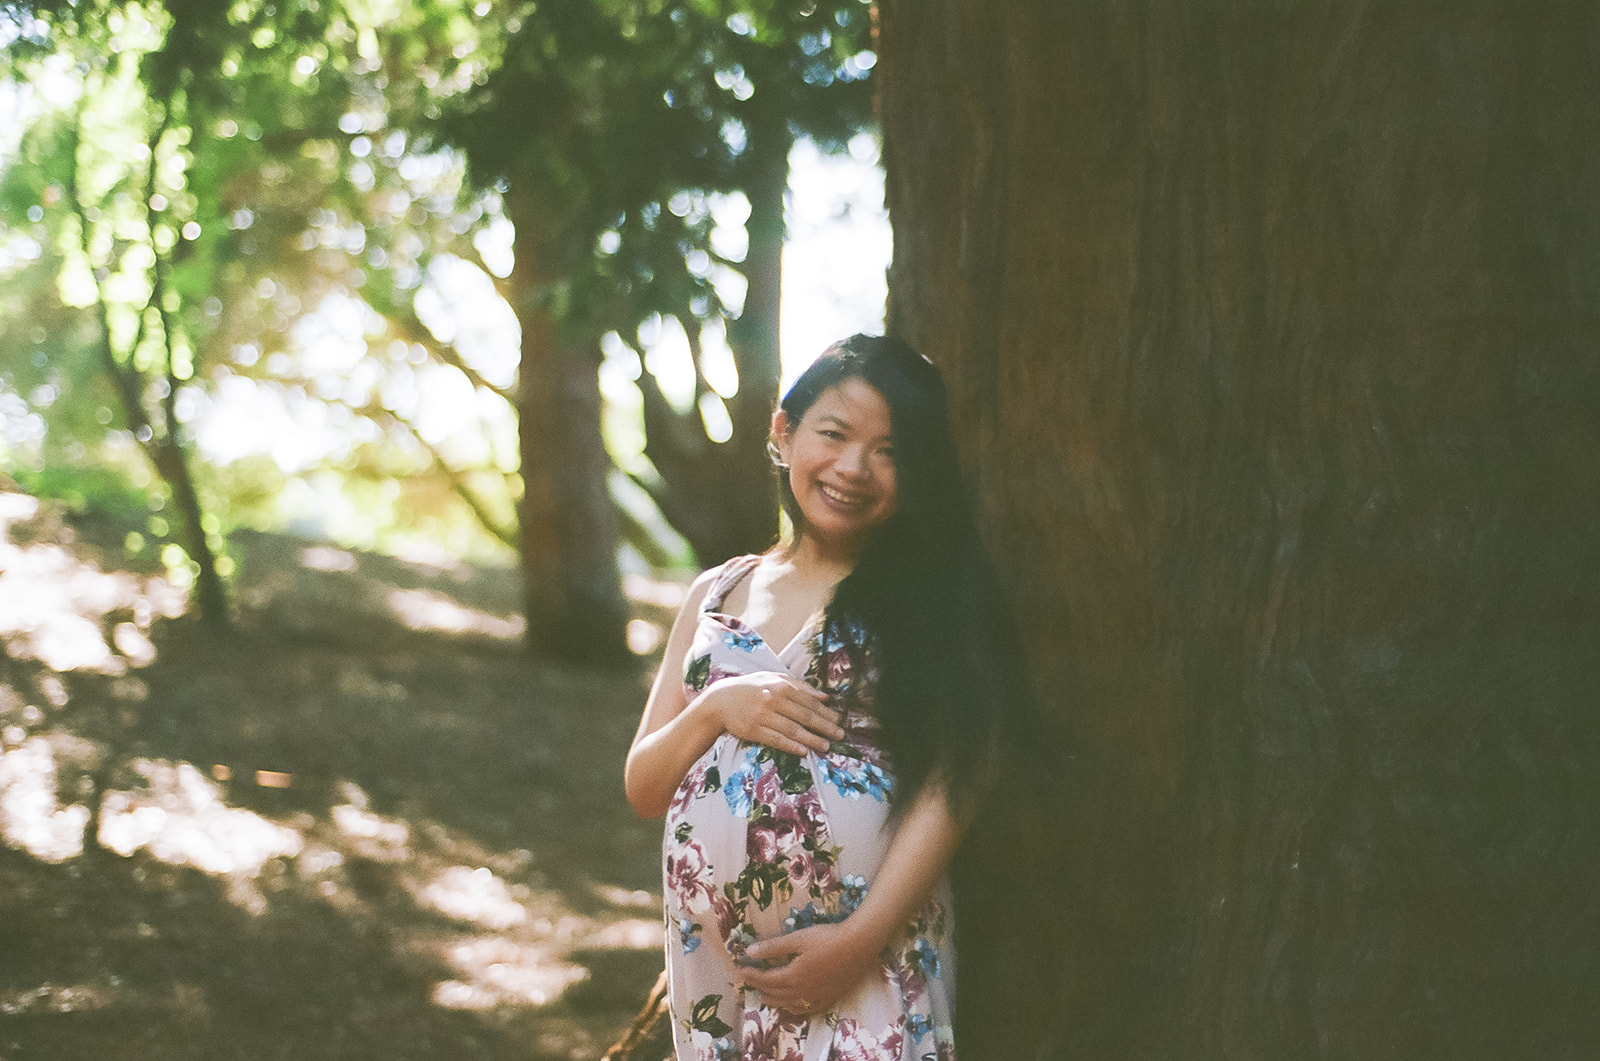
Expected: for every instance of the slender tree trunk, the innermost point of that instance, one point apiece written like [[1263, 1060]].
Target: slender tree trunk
[[172, 463], [571, 589], [162, 443], [1270, 334], [171, 460]]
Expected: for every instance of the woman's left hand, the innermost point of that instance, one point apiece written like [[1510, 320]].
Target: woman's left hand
[[825, 963]]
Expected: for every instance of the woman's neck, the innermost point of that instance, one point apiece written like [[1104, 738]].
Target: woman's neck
[[815, 559]]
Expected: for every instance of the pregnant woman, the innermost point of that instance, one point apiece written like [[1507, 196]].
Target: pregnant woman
[[821, 725]]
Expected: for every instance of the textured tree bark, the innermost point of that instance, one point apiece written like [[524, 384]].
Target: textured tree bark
[[568, 522], [1270, 331]]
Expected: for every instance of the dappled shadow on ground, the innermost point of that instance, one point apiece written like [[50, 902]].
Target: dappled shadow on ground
[[361, 824]]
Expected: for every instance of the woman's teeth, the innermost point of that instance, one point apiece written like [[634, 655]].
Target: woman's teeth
[[836, 496]]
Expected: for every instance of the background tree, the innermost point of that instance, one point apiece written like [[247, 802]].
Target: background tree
[[297, 207], [777, 72], [1269, 330], [337, 268], [121, 232], [628, 121], [589, 122]]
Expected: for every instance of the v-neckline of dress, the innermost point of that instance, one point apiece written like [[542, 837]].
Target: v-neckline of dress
[[739, 626]]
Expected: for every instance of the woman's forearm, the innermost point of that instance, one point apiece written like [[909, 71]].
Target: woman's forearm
[[659, 760], [673, 731], [920, 852], [825, 962]]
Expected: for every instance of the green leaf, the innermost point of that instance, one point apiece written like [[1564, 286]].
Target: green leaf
[[761, 881], [793, 773], [698, 672], [703, 1017]]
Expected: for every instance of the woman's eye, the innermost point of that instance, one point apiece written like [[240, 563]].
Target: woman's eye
[[831, 434]]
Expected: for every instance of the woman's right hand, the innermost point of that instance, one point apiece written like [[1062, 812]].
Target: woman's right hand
[[775, 709], [771, 708]]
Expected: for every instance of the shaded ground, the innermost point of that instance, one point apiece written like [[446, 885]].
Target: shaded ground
[[360, 826]]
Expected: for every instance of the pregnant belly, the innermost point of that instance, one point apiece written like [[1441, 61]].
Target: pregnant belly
[[770, 841]]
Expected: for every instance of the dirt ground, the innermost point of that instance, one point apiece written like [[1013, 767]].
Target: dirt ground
[[359, 825]]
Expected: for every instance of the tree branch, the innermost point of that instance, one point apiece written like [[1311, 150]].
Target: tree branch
[[409, 326], [639, 1034], [123, 378], [456, 478]]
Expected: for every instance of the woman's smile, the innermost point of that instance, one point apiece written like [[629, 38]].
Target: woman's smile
[[842, 498]]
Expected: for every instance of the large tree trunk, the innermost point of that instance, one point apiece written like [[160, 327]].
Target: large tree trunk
[[571, 589], [1270, 330]]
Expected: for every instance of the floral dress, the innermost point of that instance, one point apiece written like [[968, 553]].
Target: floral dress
[[762, 842]]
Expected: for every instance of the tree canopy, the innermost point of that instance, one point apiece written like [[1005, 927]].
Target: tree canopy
[[339, 211]]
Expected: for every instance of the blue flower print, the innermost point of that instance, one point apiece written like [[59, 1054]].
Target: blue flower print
[[799, 919], [854, 890], [862, 780], [747, 642], [838, 635], [918, 1025], [740, 791], [924, 956], [688, 934]]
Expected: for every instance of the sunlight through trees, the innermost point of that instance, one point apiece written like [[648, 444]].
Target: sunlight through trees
[[385, 242]]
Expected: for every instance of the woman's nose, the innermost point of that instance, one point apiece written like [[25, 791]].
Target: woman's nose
[[852, 460]]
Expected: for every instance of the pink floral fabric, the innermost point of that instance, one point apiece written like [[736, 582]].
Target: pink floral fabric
[[761, 842]]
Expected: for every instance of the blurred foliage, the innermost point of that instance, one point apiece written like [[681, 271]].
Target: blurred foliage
[[105, 491], [283, 223]]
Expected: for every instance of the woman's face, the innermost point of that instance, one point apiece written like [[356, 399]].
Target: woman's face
[[841, 463]]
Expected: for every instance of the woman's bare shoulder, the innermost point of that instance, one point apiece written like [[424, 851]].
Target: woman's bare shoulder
[[700, 588]]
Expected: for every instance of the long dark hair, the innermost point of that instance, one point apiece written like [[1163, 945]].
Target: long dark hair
[[950, 673]]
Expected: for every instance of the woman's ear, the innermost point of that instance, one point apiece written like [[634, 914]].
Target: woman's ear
[[778, 440]]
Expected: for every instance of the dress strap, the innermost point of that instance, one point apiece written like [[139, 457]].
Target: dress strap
[[730, 576]]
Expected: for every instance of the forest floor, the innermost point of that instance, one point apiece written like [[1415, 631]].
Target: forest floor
[[361, 824]]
